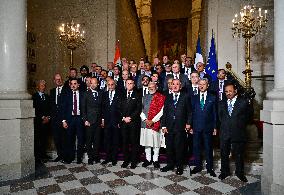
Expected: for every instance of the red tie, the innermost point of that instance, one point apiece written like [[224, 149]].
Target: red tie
[[75, 103]]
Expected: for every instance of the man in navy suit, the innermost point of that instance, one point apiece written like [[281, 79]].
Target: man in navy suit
[[204, 122], [56, 121], [200, 67], [110, 121], [175, 123], [234, 113], [217, 87], [131, 106], [92, 118], [72, 122]]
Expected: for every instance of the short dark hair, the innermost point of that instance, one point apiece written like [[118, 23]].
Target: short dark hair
[[230, 83], [84, 67], [73, 69], [194, 72], [73, 79], [223, 70]]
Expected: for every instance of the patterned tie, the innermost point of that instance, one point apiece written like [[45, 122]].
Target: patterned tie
[[230, 107], [75, 103], [175, 99], [42, 97], [195, 91], [202, 101]]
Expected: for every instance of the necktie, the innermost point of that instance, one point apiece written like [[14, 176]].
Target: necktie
[[57, 96], [187, 71], [128, 95], [202, 101], [75, 104], [95, 94], [145, 91], [110, 97], [221, 86], [175, 99], [230, 107], [42, 97], [195, 91]]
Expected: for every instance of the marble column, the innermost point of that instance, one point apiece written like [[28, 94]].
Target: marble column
[[273, 115], [145, 16], [16, 109], [195, 24]]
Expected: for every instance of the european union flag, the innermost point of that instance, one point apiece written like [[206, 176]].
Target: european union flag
[[212, 66]]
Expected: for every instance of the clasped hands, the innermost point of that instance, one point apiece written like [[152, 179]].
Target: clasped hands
[[149, 123]]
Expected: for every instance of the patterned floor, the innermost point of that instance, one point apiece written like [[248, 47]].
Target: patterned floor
[[57, 178]]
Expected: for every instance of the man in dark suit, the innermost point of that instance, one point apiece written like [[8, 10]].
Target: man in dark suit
[[56, 120], [175, 123], [121, 83], [234, 114], [41, 121], [130, 108], [92, 118], [203, 126], [111, 119], [217, 87], [72, 122], [192, 89], [200, 67], [177, 75], [188, 68]]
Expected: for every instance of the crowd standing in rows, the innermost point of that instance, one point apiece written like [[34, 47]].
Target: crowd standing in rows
[[176, 106]]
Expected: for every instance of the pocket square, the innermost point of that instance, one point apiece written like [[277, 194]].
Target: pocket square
[[133, 98]]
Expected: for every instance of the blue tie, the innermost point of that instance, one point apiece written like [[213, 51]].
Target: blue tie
[[230, 107]]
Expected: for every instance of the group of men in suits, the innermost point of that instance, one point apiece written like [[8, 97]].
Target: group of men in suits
[[177, 102]]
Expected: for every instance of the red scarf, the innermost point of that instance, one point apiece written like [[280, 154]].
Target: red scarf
[[156, 105]]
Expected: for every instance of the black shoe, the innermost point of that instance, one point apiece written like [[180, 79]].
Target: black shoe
[[133, 166], [211, 172], [167, 168], [179, 171], [97, 160], [223, 176], [196, 170], [57, 159], [156, 164], [146, 163], [124, 164], [79, 161], [105, 162], [242, 178], [90, 162], [114, 162]]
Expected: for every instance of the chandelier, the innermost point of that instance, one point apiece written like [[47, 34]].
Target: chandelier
[[72, 36], [248, 24]]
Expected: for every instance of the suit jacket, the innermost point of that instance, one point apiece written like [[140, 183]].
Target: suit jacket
[[183, 79], [181, 112], [42, 107], [233, 127], [55, 108], [92, 107], [204, 119], [67, 104], [131, 107], [111, 112], [182, 70], [190, 90], [120, 86], [214, 89]]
